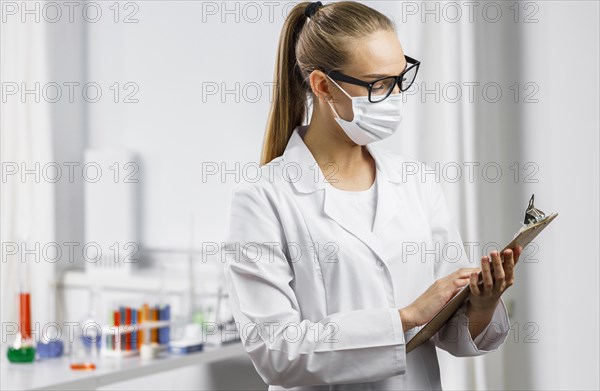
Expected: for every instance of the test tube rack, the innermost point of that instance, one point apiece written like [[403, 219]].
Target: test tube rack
[[121, 333]]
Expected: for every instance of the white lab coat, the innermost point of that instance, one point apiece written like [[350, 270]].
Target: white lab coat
[[316, 299]]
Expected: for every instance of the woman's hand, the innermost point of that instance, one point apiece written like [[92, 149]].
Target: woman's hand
[[484, 298], [424, 308]]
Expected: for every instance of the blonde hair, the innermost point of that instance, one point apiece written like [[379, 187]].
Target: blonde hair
[[324, 42]]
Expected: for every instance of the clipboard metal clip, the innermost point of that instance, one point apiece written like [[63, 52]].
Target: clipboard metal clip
[[532, 214]]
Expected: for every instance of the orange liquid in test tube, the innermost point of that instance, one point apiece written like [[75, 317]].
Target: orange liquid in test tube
[[83, 367], [25, 315]]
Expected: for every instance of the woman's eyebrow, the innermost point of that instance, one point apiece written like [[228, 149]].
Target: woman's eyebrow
[[378, 75], [375, 75]]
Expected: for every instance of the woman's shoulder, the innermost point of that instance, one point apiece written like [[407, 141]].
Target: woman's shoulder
[[259, 179]]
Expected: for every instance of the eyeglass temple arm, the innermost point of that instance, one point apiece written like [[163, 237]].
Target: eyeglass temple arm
[[348, 79], [411, 60]]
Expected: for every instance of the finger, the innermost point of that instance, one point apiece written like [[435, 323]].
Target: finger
[[509, 267], [460, 284], [488, 283], [517, 253], [498, 263], [466, 272], [473, 284]]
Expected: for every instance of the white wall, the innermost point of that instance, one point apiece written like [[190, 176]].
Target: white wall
[[171, 54], [560, 293]]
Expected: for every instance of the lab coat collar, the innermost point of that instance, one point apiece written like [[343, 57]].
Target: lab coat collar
[[298, 158]]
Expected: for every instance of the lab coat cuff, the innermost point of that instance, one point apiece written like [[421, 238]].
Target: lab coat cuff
[[494, 334], [400, 349]]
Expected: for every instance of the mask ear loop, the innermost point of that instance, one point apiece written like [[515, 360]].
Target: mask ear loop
[[338, 86], [329, 102]]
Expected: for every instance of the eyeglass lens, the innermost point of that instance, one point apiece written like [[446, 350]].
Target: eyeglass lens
[[383, 88]]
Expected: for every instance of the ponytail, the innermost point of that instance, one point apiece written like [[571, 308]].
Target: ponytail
[[288, 109], [324, 42]]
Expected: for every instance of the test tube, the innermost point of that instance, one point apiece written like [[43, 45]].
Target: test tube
[[24, 302]]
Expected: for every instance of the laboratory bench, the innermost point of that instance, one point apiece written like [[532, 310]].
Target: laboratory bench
[[56, 374]]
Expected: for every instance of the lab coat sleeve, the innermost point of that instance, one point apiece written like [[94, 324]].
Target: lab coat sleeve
[[456, 339], [454, 336], [285, 348]]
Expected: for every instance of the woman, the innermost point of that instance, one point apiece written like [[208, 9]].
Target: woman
[[335, 258]]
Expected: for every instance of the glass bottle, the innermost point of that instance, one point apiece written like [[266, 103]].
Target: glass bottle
[[86, 344]]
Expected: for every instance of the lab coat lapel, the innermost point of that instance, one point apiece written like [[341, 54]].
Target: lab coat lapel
[[387, 204]]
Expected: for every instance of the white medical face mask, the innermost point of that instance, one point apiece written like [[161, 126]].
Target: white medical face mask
[[372, 121]]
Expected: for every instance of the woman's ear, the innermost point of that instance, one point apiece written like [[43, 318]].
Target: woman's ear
[[320, 86]]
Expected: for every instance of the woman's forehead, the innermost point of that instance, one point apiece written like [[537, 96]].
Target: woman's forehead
[[379, 54]]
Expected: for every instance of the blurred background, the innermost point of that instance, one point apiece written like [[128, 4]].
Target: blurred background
[[125, 125]]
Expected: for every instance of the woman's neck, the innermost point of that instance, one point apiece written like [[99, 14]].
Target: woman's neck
[[328, 144]]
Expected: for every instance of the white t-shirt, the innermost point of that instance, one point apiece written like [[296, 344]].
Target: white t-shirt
[[361, 204]]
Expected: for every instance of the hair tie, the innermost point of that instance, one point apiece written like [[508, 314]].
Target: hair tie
[[312, 8]]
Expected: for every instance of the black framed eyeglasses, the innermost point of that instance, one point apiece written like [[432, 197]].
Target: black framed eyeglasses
[[381, 88]]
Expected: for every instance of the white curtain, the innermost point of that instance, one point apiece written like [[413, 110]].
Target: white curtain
[[27, 209]]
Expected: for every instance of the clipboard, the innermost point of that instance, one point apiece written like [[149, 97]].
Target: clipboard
[[535, 222]]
